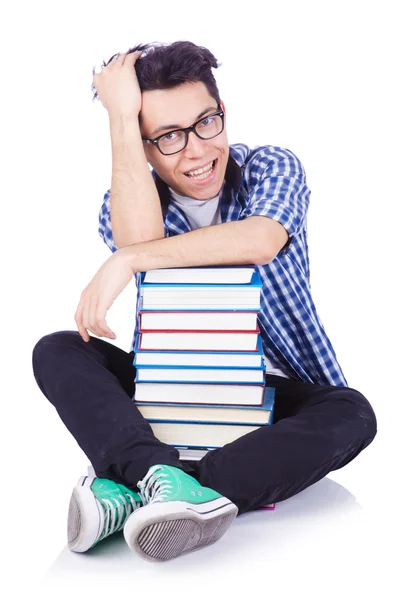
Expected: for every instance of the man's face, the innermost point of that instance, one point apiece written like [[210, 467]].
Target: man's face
[[181, 107]]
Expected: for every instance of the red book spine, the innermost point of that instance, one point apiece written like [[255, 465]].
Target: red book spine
[[198, 331]]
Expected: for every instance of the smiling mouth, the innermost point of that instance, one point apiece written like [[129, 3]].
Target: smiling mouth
[[203, 172]]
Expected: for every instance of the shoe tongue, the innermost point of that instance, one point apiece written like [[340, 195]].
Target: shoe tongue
[[162, 482]]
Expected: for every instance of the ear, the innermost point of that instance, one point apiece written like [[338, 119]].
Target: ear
[[223, 107]]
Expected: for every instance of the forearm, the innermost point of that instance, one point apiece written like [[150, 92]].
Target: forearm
[[232, 243], [135, 209]]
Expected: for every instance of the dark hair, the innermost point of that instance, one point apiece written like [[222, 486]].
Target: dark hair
[[165, 66]]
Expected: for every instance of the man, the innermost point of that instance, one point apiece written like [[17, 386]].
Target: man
[[204, 204]]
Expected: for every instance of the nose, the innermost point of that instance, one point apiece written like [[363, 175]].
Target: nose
[[195, 146]]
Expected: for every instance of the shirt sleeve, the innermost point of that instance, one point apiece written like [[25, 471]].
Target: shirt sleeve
[[277, 188], [105, 224]]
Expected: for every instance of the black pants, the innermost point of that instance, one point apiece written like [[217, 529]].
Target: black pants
[[316, 429]]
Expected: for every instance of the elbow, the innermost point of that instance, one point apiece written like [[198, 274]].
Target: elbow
[[271, 238], [265, 255], [261, 259]]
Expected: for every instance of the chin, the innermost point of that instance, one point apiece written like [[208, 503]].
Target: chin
[[205, 190], [207, 195]]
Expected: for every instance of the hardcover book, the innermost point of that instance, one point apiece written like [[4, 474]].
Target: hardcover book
[[199, 340], [235, 360], [229, 274], [239, 415], [198, 321], [175, 296], [202, 434], [199, 374], [250, 394]]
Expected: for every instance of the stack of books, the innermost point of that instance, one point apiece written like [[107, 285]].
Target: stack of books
[[200, 373]]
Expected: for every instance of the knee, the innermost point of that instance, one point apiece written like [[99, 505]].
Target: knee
[[363, 416], [46, 347]]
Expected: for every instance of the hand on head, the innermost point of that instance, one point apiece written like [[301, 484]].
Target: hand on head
[[117, 85]]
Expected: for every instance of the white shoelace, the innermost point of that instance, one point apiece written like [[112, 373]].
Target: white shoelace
[[152, 489], [124, 509]]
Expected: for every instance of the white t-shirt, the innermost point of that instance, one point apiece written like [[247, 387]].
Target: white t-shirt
[[202, 213]]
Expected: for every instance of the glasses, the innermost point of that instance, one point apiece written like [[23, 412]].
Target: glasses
[[176, 140]]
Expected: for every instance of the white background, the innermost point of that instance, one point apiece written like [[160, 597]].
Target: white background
[[315, 77]]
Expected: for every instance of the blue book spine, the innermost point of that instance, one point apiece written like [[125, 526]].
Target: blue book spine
[[255, 282], [188, 309], [203, 381], [261, 367], [221, 423]]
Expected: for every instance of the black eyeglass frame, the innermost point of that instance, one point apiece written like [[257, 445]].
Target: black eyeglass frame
[[186, 131]]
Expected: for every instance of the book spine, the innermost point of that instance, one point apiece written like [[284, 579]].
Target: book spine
[[202, 331], [209, 422], [200, 367]]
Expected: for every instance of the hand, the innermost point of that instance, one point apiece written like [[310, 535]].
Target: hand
[[117, 86], [99, 295]]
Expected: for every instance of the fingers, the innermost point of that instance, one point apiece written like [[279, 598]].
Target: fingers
[[118, 60], [95, 319], [90, 317], [101, 324], [132, 57], [78, 317], [126, 57]]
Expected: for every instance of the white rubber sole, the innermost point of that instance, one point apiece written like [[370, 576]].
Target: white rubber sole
[[85, 518], [164, 530]]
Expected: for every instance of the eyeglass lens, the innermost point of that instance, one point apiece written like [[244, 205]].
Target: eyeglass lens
[[206, 129]]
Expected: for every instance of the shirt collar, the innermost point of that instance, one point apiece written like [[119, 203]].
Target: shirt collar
[[233, 176]]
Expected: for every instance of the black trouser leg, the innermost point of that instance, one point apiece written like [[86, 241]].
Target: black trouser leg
[[91, 384], [317, 429]]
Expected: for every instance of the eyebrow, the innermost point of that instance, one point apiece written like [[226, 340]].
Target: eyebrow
[[176, 126]]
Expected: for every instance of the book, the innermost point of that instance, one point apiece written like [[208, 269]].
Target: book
[[241, 415], [196, 302], [198, 340], [237, 360], [198, 320], [250, 394], [186, 453], [232, 274], [175, 296], [200, 434], [198, 374]]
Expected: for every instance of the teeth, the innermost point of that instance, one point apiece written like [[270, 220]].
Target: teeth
[[201, 173]]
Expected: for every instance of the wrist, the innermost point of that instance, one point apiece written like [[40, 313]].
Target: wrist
[[125, 130], [128, 255], [120, 119]]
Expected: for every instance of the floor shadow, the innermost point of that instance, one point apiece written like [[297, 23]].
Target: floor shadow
[[322, 502]]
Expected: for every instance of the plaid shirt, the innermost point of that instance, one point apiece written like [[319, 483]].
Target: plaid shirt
[[271, 182]]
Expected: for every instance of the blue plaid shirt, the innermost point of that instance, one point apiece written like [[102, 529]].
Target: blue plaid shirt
[[271, 182]]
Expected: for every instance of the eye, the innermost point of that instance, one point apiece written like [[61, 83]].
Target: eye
[[171, 137], [207, 121]]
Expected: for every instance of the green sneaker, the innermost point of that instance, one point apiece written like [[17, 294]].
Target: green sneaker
[[98, 508], [178, 516]]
